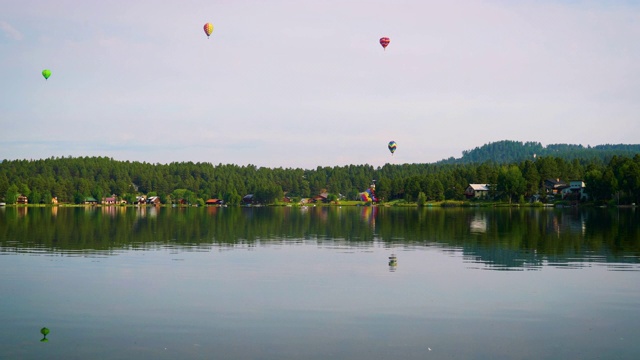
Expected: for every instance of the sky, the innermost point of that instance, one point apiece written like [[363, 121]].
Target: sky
[[305, 83]]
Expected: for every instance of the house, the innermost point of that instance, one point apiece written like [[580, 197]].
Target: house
[[213, 202], [22, 200], [141, 200], [323, 197], [477, 191], [54, 200], [90, 201], [248, 199], [555, 186], [575, 191], [154, 200], [112, 200]]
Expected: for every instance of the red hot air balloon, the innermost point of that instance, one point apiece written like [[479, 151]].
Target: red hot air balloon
[[384, 41]]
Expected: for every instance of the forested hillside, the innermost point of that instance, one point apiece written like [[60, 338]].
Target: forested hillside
[[508, 151], [72, 179]]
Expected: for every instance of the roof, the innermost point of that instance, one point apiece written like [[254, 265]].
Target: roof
[[555, 181], [479, 187]]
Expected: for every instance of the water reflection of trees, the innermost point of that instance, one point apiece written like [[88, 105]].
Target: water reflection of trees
[[500, 237]]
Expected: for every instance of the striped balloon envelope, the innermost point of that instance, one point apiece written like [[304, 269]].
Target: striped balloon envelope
[[384, 41], [392, 147]]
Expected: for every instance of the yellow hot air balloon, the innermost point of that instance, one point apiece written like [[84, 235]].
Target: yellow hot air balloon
[[208, 29]]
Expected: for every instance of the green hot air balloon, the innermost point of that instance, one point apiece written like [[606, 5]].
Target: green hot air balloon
[[46, 73], [44, 331]]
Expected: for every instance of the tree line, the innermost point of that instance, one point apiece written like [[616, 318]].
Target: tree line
[[508, 151], [71, 179]]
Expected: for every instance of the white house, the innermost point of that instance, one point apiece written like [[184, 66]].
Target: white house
[[576, 189]]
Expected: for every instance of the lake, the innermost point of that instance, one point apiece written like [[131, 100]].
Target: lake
[[316, 283]]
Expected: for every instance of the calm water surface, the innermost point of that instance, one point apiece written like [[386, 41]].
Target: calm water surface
[[315, 283]]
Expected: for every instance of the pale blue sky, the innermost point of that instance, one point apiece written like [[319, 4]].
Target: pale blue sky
[[306, 84]]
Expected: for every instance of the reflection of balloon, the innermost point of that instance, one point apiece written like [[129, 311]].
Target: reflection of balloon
[[384, 41], [208, 29], [392, 146], [46, 73], [393, 262]]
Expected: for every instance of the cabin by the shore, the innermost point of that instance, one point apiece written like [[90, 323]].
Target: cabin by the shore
[[111, 200], [248, 199], [153, 200], [477, 191], [322, 197], [212, 202]]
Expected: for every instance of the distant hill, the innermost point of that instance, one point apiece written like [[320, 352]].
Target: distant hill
[[508, 151]]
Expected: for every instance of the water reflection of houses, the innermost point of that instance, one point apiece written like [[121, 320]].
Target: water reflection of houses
[[109, 211], [146, 211], [527, 239], [492, 239], [153, 211], [22, 211], [478, 223], [322, 213], [113, 211], [567, 222], [212, 210], [141, 211]]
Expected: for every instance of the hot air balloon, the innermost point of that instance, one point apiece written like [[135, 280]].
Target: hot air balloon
[[44, 331], [46, 73], [392, 147], [208, 29], [384, 41]]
